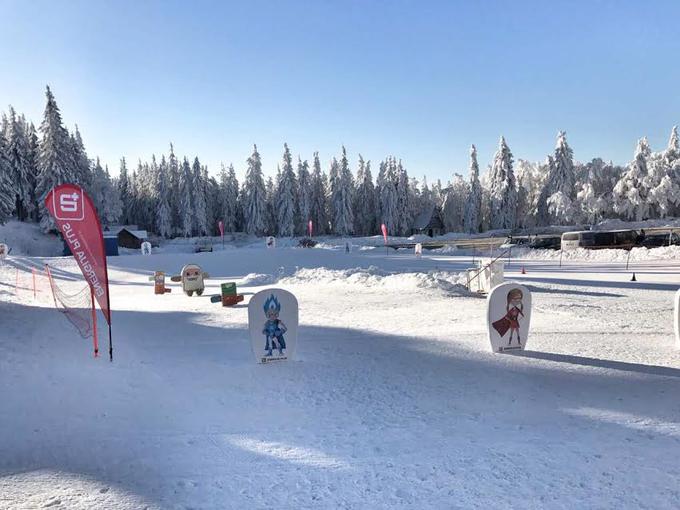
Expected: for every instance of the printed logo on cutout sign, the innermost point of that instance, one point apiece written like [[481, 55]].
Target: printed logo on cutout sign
[[68, 204]]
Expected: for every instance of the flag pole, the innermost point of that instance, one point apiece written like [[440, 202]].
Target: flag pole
[[110, 344], [94, 323]]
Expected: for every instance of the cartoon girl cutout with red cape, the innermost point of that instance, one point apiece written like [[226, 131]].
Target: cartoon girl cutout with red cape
[[510, 321]]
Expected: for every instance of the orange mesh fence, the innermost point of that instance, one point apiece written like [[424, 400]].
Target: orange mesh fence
[[75, 301]]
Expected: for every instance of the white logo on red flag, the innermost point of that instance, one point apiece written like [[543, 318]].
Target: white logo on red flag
[[68, 204]]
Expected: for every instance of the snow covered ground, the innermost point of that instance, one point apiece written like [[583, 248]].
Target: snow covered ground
[[394, 401], [27, 239]]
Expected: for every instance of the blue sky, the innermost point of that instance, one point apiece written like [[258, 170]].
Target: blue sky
[[420, 80]]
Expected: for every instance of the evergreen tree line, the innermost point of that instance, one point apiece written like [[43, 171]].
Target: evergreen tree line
[[177, 197], [32, 162]]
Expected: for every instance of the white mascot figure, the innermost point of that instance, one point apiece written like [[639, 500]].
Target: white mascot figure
[[193, 279]]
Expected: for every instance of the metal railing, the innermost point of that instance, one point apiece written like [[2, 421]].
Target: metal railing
[[483, 268]]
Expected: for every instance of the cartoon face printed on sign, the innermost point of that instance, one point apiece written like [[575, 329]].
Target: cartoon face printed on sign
[[515, 298], [193, 279]]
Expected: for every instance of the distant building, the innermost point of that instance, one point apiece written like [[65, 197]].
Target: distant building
[[131, 238], [428, 222], [110, 246], [124, 236]]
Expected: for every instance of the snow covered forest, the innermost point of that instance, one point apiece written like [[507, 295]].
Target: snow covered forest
[[176, 196]]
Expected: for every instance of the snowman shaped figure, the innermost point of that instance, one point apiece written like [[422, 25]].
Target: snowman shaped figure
[[193, 279]]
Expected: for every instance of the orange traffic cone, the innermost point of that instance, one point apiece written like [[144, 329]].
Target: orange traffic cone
[[633, 279]]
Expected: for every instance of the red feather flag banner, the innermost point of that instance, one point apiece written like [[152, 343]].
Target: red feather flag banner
[[310, 227], [77, 220], [383, 227]]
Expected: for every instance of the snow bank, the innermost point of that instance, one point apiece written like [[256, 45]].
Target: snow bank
[[446, 249], [365, 279], [616, 224], [28, 239], [580, 254], [447, 282], [257, 279]]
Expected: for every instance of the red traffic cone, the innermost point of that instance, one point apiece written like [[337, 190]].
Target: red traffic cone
[[523, 271], [633, 279]]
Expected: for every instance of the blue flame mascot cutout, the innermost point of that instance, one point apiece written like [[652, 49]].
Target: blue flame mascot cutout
[[273, 329]]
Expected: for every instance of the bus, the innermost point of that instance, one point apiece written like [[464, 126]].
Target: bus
[[597, 240]]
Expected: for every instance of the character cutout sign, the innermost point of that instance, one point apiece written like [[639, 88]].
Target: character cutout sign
[[270, 242], [419, 250], [146, 248], [193, 279], [273, 324], [158, 280], [3, 250], [508, 317]]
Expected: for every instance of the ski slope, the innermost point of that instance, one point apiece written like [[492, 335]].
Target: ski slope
[[394, 400]]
